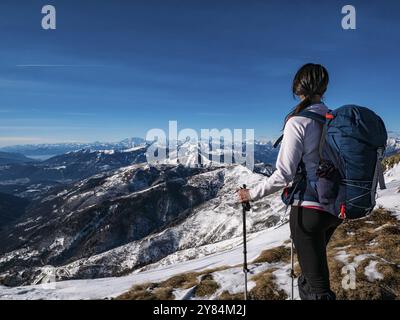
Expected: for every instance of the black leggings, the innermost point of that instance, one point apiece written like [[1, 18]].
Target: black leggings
[[311, 231]]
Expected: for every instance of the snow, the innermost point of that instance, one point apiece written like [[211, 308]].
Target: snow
[[371, 273], [109, 152], [390, 197], [284, 281], [22, 224], [183, 294], [58, 242], [24, 254], [372, 243], [360, 258], [133, 149], [111, 287], [232, 280], [393, 144], [343, 257]]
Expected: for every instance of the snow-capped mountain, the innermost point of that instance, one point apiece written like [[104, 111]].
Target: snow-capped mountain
[[264, 151], [207, 153], [118, 221], [393, 145], [45, 151], [31, 180]]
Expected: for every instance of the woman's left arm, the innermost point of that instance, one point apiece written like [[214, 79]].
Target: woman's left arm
[[289, 157]]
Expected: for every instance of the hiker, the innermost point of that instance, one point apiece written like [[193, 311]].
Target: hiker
[[310, 225]]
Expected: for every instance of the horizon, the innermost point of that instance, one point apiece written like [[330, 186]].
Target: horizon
[[115, 69], [107, 142], [391, 135]]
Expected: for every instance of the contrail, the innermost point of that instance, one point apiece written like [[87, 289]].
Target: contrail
[[57, 66]]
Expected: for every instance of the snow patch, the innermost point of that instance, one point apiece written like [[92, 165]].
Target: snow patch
[[371, 273]]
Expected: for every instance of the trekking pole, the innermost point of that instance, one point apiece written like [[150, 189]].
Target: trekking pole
[[245, 207], [292, 275]]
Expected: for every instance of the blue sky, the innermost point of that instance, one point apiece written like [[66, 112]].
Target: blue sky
[[117, 68]]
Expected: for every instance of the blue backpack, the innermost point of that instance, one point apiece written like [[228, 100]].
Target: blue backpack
[[351, 149]]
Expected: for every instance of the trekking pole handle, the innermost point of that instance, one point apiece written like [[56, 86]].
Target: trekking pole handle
[[246, 205]]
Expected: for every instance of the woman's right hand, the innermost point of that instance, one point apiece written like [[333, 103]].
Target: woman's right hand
[[244, 195]]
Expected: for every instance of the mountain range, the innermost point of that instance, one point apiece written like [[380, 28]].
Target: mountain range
[[45, 151], [107, 212], [12, 158]]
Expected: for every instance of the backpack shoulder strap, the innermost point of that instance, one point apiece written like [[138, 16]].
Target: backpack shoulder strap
[[278, 142], [306, 114], [312, 115]]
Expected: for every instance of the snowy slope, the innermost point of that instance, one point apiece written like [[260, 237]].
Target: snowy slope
[[216, 220], [390, 198], [114, 223], [111, 287]]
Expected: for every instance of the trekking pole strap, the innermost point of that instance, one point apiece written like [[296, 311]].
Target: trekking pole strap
[[292, 274]]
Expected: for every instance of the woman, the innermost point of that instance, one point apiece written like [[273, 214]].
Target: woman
[[311, 227]]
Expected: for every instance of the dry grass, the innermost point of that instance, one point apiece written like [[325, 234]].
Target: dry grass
[[225, 295], [207, 286], [204, 287], [389, 162], [382, 230], [365, 290], [266, 288], [278, 254], [160, 291], [181, 281], [150, 291], [385, 289]]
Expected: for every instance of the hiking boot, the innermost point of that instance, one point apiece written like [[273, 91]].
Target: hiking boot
[[304, 288], [306, 294]]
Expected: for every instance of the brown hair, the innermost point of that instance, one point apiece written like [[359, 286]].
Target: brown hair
[[311, 80]]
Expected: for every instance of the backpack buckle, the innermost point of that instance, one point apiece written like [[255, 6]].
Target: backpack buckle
[[342, 214]]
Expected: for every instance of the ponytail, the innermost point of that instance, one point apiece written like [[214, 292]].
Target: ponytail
[[310, 81], [304, 104]]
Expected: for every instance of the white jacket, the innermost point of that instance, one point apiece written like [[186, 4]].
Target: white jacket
[[300, 141]]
